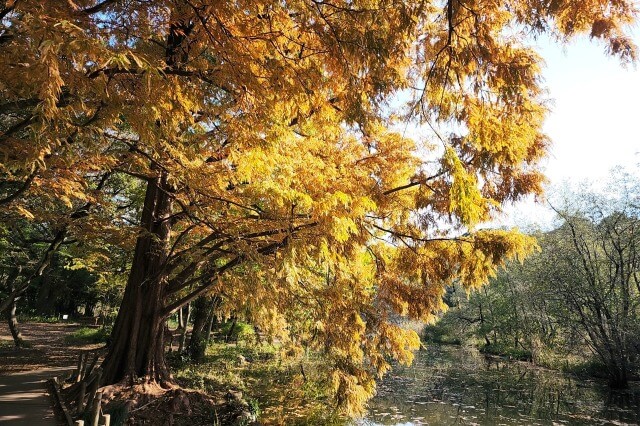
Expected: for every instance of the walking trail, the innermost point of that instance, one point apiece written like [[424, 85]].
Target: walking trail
[[24, 398]]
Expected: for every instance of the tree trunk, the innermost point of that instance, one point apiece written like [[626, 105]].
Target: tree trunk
[[183, 334], [12, 320], [197, 343], [213, 319], [618, 378], [18, 341], [618, 373], [137, 348], [45, 298], [231, 330], [181, 324]]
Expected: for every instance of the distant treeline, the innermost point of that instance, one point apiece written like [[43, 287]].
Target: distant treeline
[[576, 303]]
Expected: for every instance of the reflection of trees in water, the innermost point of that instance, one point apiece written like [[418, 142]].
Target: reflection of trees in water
[[453, 383]]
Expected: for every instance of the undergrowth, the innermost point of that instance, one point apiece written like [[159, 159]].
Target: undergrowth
[[87, 336], [278, 390], [506, 351]]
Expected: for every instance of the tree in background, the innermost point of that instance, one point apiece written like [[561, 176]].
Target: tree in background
[[582, 290], [45, 276], [261, 135], [599, 275]]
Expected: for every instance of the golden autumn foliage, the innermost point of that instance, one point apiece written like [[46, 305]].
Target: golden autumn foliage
[[264, 134]]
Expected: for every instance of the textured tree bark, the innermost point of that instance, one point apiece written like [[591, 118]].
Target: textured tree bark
[[18, 341], [198, 341], [12, 319], [137, 348]]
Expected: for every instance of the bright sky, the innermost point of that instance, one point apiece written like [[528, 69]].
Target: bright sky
[[594, 119]]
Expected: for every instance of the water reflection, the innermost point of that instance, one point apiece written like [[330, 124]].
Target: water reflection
[[456, 385]]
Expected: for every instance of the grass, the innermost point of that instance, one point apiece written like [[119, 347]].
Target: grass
[[172, 322], [6, 344], [87, 336], [24, 318], [581, 366], [274, 386], [9, 344]]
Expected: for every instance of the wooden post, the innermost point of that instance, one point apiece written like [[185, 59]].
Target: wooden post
[[53, 383], [95, 384], [85, 360], [79, 368], [107, 419], [95, 409], [80, 402], [88, 369]]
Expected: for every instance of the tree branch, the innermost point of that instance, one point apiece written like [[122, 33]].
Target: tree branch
[[266, 250], [25, 185], [98, 7]]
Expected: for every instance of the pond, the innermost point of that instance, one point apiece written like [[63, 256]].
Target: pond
[[449, 385]]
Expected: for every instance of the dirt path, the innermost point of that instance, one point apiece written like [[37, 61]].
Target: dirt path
[[48, 348], [23, 372], [24, 399]]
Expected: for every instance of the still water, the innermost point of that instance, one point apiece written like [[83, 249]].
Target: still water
[[449, 385]]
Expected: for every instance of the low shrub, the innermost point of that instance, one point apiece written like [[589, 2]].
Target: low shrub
[[88, 336], [437, 334], [506, 351]]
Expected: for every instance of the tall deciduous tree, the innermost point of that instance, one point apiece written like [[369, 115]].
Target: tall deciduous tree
[[263, 135]]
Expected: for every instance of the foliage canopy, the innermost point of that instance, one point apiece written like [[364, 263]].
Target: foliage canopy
[[264, 135]]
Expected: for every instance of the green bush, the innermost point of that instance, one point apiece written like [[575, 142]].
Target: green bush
[[507, 351], [242, 332], [437, 333], [26, 318], [87, 336]]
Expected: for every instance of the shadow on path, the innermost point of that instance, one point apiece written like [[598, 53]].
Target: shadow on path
[[24, 399]]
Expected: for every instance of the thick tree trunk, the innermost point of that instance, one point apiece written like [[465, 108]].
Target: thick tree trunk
[[137, 348], [618, 379]]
